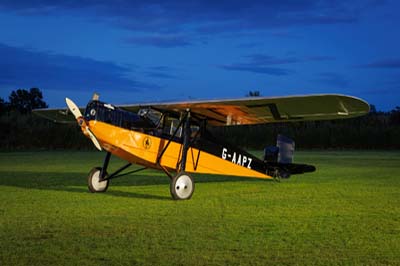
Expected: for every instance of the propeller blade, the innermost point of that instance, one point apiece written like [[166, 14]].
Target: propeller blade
[[73, 108], [78, 115], [93, 138]]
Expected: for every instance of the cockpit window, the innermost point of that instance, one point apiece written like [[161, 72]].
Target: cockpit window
[[151, 115]]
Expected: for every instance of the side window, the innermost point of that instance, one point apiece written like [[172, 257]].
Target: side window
[[194, 131], [150, 114], [170, 127]]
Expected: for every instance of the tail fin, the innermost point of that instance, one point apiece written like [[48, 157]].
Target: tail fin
[[279, 159], [281, 153], [286, 149]]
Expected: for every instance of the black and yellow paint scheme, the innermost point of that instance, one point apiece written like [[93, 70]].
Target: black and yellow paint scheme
[[173, 137]]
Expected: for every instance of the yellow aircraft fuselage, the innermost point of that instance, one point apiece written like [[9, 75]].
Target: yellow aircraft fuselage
[[144, 149]]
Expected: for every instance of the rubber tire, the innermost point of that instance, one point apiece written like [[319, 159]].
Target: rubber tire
[[91, 186], [175, 189]]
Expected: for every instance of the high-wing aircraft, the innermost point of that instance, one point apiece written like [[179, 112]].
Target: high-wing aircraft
[[173, 137]]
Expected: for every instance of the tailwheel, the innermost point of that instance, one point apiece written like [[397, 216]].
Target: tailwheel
[[95, 184], [277, 174], [182, 186]]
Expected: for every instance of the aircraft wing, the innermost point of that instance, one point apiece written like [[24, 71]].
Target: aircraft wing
[[258, 110], [60, 115]]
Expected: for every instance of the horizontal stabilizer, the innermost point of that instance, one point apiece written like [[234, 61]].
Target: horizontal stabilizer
[[289, 168]]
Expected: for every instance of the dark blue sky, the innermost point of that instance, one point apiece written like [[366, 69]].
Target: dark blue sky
[[134, 51]]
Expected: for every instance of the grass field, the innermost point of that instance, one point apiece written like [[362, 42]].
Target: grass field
[[348, 212]]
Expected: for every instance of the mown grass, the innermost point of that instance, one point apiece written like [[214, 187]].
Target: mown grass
[[348, 212]]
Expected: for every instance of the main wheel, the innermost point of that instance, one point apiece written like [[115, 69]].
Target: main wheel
[[94, 183], [182, 186]]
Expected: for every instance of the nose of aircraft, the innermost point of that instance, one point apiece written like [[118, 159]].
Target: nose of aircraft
[[78, 116]]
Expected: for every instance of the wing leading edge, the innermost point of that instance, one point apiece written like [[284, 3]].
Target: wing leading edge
[[259, 110]]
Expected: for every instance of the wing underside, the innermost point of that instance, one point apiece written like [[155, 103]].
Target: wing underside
[[259, 110]]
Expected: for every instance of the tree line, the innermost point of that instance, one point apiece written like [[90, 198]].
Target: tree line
[[23, 101], [21, 130]]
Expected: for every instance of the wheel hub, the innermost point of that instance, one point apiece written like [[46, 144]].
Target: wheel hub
[[183, 186], [96, 183]]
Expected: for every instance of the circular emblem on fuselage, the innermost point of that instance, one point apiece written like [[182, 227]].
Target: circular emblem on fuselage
[[147, 143]]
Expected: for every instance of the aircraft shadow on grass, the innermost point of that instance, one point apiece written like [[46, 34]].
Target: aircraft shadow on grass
[[76, 182]]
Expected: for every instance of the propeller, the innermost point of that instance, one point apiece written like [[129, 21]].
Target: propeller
[[79, 117]]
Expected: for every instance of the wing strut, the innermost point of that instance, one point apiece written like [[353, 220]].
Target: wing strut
[[185, 123], [169, 141], [274, 111], [186, 140]]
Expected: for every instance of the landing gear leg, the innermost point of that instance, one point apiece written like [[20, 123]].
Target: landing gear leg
[[182, 185], [97, 178], [95, 182]]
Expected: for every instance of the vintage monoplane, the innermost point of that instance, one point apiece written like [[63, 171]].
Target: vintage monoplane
[[173, 137]]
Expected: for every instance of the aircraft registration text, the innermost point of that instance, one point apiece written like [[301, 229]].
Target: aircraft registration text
[[236, 158]]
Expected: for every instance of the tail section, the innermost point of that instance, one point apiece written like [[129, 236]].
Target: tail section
[[283, 152], [279, 159]]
